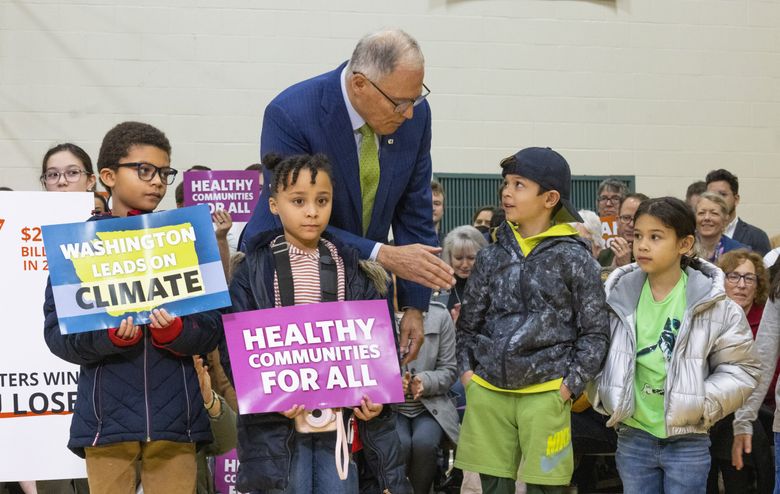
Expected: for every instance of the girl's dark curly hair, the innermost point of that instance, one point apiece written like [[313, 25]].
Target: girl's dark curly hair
[[286, 170]]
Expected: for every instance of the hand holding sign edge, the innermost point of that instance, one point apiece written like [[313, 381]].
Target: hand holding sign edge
[[367, 409]]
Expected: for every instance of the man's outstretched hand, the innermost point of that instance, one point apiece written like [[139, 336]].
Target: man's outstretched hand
[[417, 263]]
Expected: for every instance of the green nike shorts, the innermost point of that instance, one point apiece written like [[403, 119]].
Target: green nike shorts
[[503, 431]]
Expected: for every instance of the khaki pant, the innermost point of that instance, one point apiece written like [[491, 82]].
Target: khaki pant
[[165, 467]]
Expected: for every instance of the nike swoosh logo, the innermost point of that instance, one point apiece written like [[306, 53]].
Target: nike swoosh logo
[[550, 462]]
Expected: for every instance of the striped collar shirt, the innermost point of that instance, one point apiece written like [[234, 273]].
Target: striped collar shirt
[[305, 268]]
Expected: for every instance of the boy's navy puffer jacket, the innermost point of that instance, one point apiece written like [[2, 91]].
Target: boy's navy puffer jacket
[[530, 320], [137, 393], [265, 440]]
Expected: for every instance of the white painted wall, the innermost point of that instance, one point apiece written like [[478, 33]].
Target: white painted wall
[[662, 89]]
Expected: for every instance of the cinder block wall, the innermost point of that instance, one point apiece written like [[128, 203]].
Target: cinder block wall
[[664, 89]]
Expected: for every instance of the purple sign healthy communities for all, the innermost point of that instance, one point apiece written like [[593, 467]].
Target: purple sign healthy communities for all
[[236, 192], [317, 355]]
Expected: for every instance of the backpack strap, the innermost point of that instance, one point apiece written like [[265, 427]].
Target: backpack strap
[[281, 251], [329, 276], [329, 284]]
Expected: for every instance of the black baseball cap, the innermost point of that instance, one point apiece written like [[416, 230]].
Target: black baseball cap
[[551, 171]]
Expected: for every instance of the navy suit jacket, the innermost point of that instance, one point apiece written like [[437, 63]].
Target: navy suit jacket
[[311, 117], [752, 236]]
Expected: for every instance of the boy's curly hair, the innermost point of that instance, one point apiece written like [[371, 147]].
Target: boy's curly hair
[[118, 141]]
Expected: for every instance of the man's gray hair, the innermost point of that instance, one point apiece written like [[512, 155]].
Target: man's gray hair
[[379, 54], [613, 185]]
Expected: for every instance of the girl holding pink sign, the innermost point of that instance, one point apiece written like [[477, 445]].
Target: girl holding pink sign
[[288, 452]]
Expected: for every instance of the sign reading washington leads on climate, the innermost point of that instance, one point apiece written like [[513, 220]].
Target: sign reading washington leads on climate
[[103, 271], [316, 355]]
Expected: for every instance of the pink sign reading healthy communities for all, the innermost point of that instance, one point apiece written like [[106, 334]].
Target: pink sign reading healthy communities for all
[[318, 355], [236, 192]]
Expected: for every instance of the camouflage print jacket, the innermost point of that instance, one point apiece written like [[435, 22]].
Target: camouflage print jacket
[[529, 320]]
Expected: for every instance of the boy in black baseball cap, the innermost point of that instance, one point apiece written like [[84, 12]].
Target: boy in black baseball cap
[[532, 330], [551, 173]]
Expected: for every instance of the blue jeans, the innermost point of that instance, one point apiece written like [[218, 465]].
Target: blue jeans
[[777, 463], [649, 465], [420, 437], [313, 469]]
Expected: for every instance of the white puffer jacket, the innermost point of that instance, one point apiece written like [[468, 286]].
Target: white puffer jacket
[[713, 368]]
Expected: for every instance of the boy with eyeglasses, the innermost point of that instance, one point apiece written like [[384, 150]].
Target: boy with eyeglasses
[[134, 166], [139, 401]]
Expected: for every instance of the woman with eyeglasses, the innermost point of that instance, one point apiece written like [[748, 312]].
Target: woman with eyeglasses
[[712, 214], [768, 345], [66, 167], [747, 284]]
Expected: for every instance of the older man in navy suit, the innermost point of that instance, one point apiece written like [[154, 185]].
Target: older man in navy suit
[[371, 118]]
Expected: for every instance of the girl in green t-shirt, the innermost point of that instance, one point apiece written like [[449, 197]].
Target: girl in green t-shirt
[[681, 356]]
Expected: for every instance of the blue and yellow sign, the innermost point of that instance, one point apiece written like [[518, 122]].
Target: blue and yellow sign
[[103, 271]]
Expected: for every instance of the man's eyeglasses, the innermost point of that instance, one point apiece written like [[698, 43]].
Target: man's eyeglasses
[[610, 199], [405, 104], [733, 278], [52, 177], [147, 171], [626, 219]]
